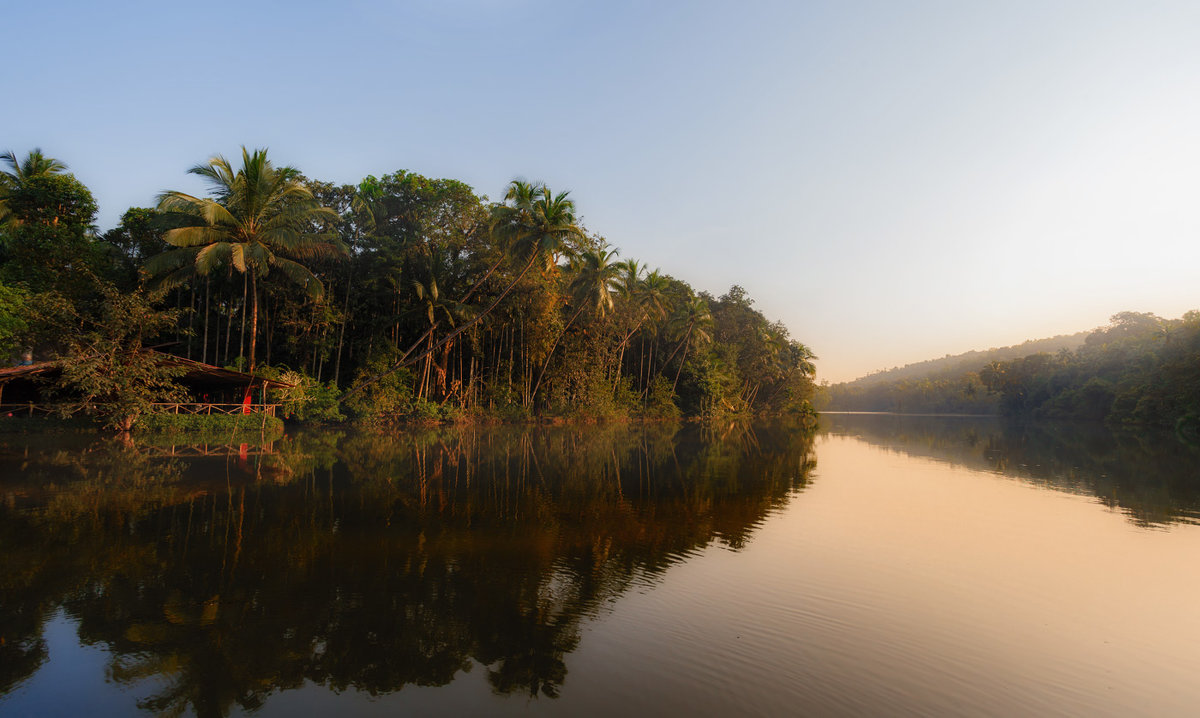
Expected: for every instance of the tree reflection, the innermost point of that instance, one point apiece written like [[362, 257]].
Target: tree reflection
[[366, 561], [1151, 476]]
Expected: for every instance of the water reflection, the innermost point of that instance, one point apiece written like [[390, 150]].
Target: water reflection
[[216, 576], [1152, 476]]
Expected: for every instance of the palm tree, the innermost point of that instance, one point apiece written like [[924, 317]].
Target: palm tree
[[647, 295], [437, 308], [34, 164], [692, 319], [592, 287], [259, 213], [19, 172], [533, 223]]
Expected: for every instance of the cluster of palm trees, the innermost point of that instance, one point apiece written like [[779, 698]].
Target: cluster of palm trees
[[512, 302]]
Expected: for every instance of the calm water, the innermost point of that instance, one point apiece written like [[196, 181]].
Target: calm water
[[883, 566]]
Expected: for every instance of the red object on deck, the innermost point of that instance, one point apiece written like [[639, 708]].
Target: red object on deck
[[246, 402]]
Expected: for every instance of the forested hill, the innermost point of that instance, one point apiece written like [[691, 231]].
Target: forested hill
[[951, 384], [1140, 369], [957, 364]]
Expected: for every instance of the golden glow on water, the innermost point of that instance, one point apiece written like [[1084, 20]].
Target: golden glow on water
[[903, 585]]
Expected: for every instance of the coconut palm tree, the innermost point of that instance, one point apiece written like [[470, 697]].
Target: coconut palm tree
[[19, 172], [259, 213], [34, 164], [646, 295], [692, 321], [593, 285]]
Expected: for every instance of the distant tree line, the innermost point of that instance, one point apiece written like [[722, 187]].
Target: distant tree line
[[963, 393], [1140, 369], [401, 297]]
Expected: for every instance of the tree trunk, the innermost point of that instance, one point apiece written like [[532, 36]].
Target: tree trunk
[[671, 356], [621, 350], [337, 362], [253, 319], [245, 296], [537, 384], [404, 361], [207, 312], [191, 320], [686, 344], [228, 332]]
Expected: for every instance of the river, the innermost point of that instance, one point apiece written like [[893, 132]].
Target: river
[[881, 565]]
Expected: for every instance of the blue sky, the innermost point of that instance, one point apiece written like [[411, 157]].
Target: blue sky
[[895, 181]]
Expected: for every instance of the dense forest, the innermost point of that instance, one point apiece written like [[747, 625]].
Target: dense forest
[[1139, 369], [402, 297], [950, 385]]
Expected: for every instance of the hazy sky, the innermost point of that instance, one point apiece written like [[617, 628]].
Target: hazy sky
[[894, 180]]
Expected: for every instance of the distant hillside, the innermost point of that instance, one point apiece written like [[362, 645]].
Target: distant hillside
[[952, 366], [950, 385]]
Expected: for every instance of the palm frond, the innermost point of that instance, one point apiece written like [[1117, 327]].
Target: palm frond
[[299, 274], [194, 236], [212, 256], [171, 260]]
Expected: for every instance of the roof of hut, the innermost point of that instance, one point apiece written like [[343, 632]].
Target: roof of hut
[[196, 373]]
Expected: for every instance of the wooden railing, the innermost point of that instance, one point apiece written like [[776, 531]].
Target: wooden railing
[[268, 409], [27, 409], [198, 450], [31, 409]]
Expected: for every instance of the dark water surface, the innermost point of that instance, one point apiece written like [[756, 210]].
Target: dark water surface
[[884, 566]]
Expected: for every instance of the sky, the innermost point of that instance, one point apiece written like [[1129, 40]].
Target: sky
[[893, 181]]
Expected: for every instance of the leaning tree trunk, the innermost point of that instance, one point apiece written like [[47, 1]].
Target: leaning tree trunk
[[682, 360], [621, 352], [407, 360], [549, 356]]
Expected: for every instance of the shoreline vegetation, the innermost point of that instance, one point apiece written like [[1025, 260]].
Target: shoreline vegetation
[[402, 299], [1139, 370]]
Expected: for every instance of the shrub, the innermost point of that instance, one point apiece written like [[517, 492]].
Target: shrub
[[307, 399], [200, 428]]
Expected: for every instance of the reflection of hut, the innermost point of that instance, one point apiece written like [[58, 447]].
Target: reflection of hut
[[211, 389]]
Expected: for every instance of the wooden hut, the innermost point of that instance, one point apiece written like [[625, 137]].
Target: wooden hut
[[211, 389]]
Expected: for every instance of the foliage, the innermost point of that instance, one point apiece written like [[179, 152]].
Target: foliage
[[13, 323], [47, 242], [387, 398], [133, 242], [216, 428], [956, 394], [306, 399], [660, 404], [419, 300], [259, 215], [1140, 369], [105, 371], [17, 175]]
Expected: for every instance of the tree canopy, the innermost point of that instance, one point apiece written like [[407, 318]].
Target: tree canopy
[[402, 297]]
